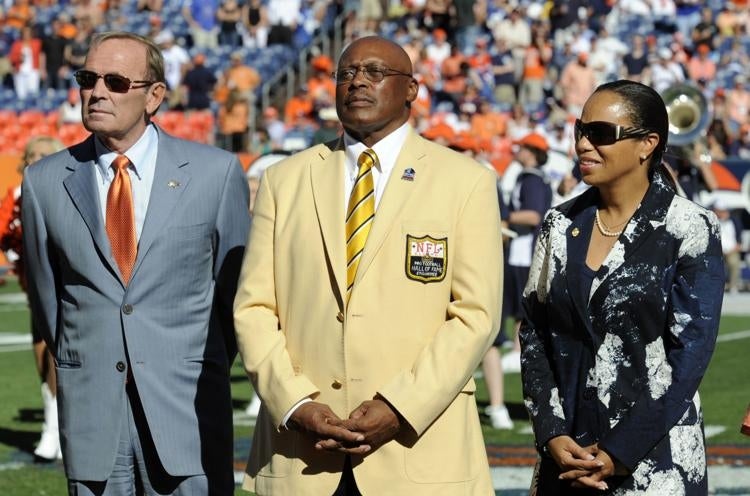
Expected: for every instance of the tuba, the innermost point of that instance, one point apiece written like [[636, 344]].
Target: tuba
[[689, 114]]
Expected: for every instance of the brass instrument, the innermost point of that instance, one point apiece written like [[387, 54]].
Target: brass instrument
[[689, 114]]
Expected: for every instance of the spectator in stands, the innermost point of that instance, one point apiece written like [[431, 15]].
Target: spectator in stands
[[503, 69], [738, 103], [320, 85], [201, 18], [577, 82], [299, 109], [700, 66], [176, 64], [742, 145], [20, 13], [436, 14], [36, 148], [198, 85], [731, 245], [53, 46], [664, 71], [516, 32], [529, 201], [636, 60], [78, 46], [453, 75], [69, 111], [538, 56], [439, 49], [274, 127], [229, 15], [705, 32], [369, 15], [255, 21], [28, 62], [283, 17], [233, 122], [468, 18], [90, 11], [329, 127], [242, 76]]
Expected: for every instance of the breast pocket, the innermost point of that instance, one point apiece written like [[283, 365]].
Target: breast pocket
[[187, 252], [426, 250]]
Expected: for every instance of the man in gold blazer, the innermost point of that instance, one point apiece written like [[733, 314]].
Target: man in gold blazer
[[364, 354]]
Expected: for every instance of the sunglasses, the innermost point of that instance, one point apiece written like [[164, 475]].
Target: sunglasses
[[117, 84], [601, 133], [373, 73]]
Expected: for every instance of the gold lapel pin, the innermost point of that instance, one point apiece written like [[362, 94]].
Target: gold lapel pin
[[575, 232], [173, 184]]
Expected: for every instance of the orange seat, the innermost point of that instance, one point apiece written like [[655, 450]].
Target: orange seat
[[30, 118]]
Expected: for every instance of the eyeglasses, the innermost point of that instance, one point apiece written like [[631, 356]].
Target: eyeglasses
[[118, 84], [601, 133], [373, 73]]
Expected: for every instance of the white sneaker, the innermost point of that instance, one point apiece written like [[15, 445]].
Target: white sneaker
[[253, 407], [49, 445], [512, 362], [499, 417]]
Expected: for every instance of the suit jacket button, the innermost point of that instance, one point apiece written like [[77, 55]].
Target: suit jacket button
[[127, 309], [120, 367], [336, 384], [340, 317]]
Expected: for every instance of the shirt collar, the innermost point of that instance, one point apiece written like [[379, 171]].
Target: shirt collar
[[387, 149], [136, 153]]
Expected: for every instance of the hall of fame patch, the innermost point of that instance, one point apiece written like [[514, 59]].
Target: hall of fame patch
[[426, 258]]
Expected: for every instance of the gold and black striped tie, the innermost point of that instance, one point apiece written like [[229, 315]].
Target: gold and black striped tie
[[359, 215]]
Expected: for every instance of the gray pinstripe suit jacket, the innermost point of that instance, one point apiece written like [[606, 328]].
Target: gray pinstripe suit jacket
[[172, 325]]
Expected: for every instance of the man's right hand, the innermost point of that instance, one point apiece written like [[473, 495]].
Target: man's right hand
[[318, 420]]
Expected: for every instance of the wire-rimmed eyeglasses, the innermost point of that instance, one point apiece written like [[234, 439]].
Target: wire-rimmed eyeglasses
[[373, 73]]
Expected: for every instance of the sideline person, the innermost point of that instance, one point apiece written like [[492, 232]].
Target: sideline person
[[133, 240], [369, 293], [11, 243], [621, 313]]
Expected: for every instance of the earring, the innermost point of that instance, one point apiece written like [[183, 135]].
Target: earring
[[643, 158]]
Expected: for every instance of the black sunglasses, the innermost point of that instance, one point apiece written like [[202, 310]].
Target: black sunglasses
[[373, 73], [118, 84], [601, 133]]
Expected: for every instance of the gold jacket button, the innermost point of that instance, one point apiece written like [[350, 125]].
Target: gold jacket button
[[336, 384], [340, 317]]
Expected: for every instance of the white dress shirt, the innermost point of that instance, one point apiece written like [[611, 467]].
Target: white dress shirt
[[142, 156]]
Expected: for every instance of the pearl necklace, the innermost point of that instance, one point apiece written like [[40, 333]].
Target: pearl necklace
[[602, 229]]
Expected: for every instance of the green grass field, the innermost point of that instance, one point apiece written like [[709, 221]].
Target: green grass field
[[724, 393]]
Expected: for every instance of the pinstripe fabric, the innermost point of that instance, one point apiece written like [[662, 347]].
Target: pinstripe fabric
[[359, 215]]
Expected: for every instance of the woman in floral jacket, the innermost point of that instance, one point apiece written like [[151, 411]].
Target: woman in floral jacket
[[622, 310]]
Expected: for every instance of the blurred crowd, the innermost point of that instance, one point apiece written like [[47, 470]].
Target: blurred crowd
[[490, 71]]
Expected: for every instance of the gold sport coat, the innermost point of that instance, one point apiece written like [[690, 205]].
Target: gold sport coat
[[424, 308]]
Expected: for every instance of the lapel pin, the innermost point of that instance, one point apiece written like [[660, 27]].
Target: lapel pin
[[575, 232], [173, 184], [408, 174]]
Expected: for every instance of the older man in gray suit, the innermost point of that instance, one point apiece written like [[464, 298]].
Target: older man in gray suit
[[133, 239]]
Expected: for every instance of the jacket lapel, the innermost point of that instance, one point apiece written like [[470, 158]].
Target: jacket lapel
[[170, 181], [326, 179], [395, 195], [651, 213], [82, 189]]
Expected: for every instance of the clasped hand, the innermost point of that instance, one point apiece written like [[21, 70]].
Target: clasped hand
[[585, 466], [369, 426]]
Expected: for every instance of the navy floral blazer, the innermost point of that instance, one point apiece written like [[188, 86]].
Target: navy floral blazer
[[620, 366]]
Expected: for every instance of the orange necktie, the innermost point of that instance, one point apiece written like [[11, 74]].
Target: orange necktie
[[121, 218]]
